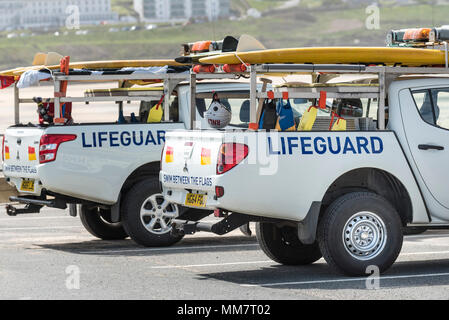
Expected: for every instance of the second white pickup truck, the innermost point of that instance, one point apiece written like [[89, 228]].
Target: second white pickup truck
[[111, 170]]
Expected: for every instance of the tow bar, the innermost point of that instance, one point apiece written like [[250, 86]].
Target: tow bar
[[228, 224], [32, 205]]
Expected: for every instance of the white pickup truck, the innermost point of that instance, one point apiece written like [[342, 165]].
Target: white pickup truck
[[345, 195], [110, 169]]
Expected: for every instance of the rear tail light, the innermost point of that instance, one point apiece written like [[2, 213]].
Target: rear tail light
[[49, 145], [230, 155], [219, 191]]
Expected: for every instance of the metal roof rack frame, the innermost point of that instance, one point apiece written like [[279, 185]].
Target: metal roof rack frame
[[385, 76], [170, 81]]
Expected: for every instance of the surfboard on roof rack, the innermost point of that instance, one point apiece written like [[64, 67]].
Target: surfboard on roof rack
[[336, 55], [95, 65]]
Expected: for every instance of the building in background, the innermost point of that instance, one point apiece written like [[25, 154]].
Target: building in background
[[24, 14], [181, 10]]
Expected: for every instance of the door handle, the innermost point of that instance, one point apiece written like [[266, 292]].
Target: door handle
[[430, 147]]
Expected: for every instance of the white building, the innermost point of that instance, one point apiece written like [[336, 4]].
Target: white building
[[23, 14], [181, 10]]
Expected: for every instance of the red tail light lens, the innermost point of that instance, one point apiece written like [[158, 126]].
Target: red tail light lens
[[230, 155], [219, 191], [49, 146]]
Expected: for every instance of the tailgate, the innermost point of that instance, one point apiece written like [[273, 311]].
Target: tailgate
[[202, 169], [21, 156], [189, 159]]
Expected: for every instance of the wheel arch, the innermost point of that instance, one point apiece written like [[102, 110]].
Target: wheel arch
[[373, 180], [148, 169]]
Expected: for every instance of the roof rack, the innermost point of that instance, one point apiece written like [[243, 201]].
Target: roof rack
[[384, 74], [170, 82]]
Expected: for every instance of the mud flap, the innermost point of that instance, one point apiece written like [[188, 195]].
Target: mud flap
[[307, 227]]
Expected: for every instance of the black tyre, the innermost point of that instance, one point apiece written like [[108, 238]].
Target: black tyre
[[282, 245], [359, 230], [146, 215], [97, 223]]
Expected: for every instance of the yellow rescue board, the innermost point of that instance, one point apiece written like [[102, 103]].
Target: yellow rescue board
[[92, 65], [330, 55]]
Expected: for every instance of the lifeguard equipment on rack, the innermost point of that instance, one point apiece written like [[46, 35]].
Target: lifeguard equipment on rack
[[233, 68], [46, 111], [218, 115], [65, 65], [268, 118], [309, 117], [286, 120], [156, 113], [208, 68], [339, 125]]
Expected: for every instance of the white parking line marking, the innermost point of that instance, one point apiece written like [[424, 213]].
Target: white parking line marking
[[40, 228], [269, 261], [427, 236], [171, 249], [12, 219], [423, 253], [345, 280], [213, 264]]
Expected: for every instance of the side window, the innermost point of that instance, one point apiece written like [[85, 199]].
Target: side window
[[433, 106], [424, 104], [442, 108]]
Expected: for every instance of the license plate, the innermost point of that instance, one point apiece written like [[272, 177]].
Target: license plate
[[27, 185], [196, 200]]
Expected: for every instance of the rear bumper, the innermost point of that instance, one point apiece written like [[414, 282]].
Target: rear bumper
[[179, 196], [16, 182], [176, 191]]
